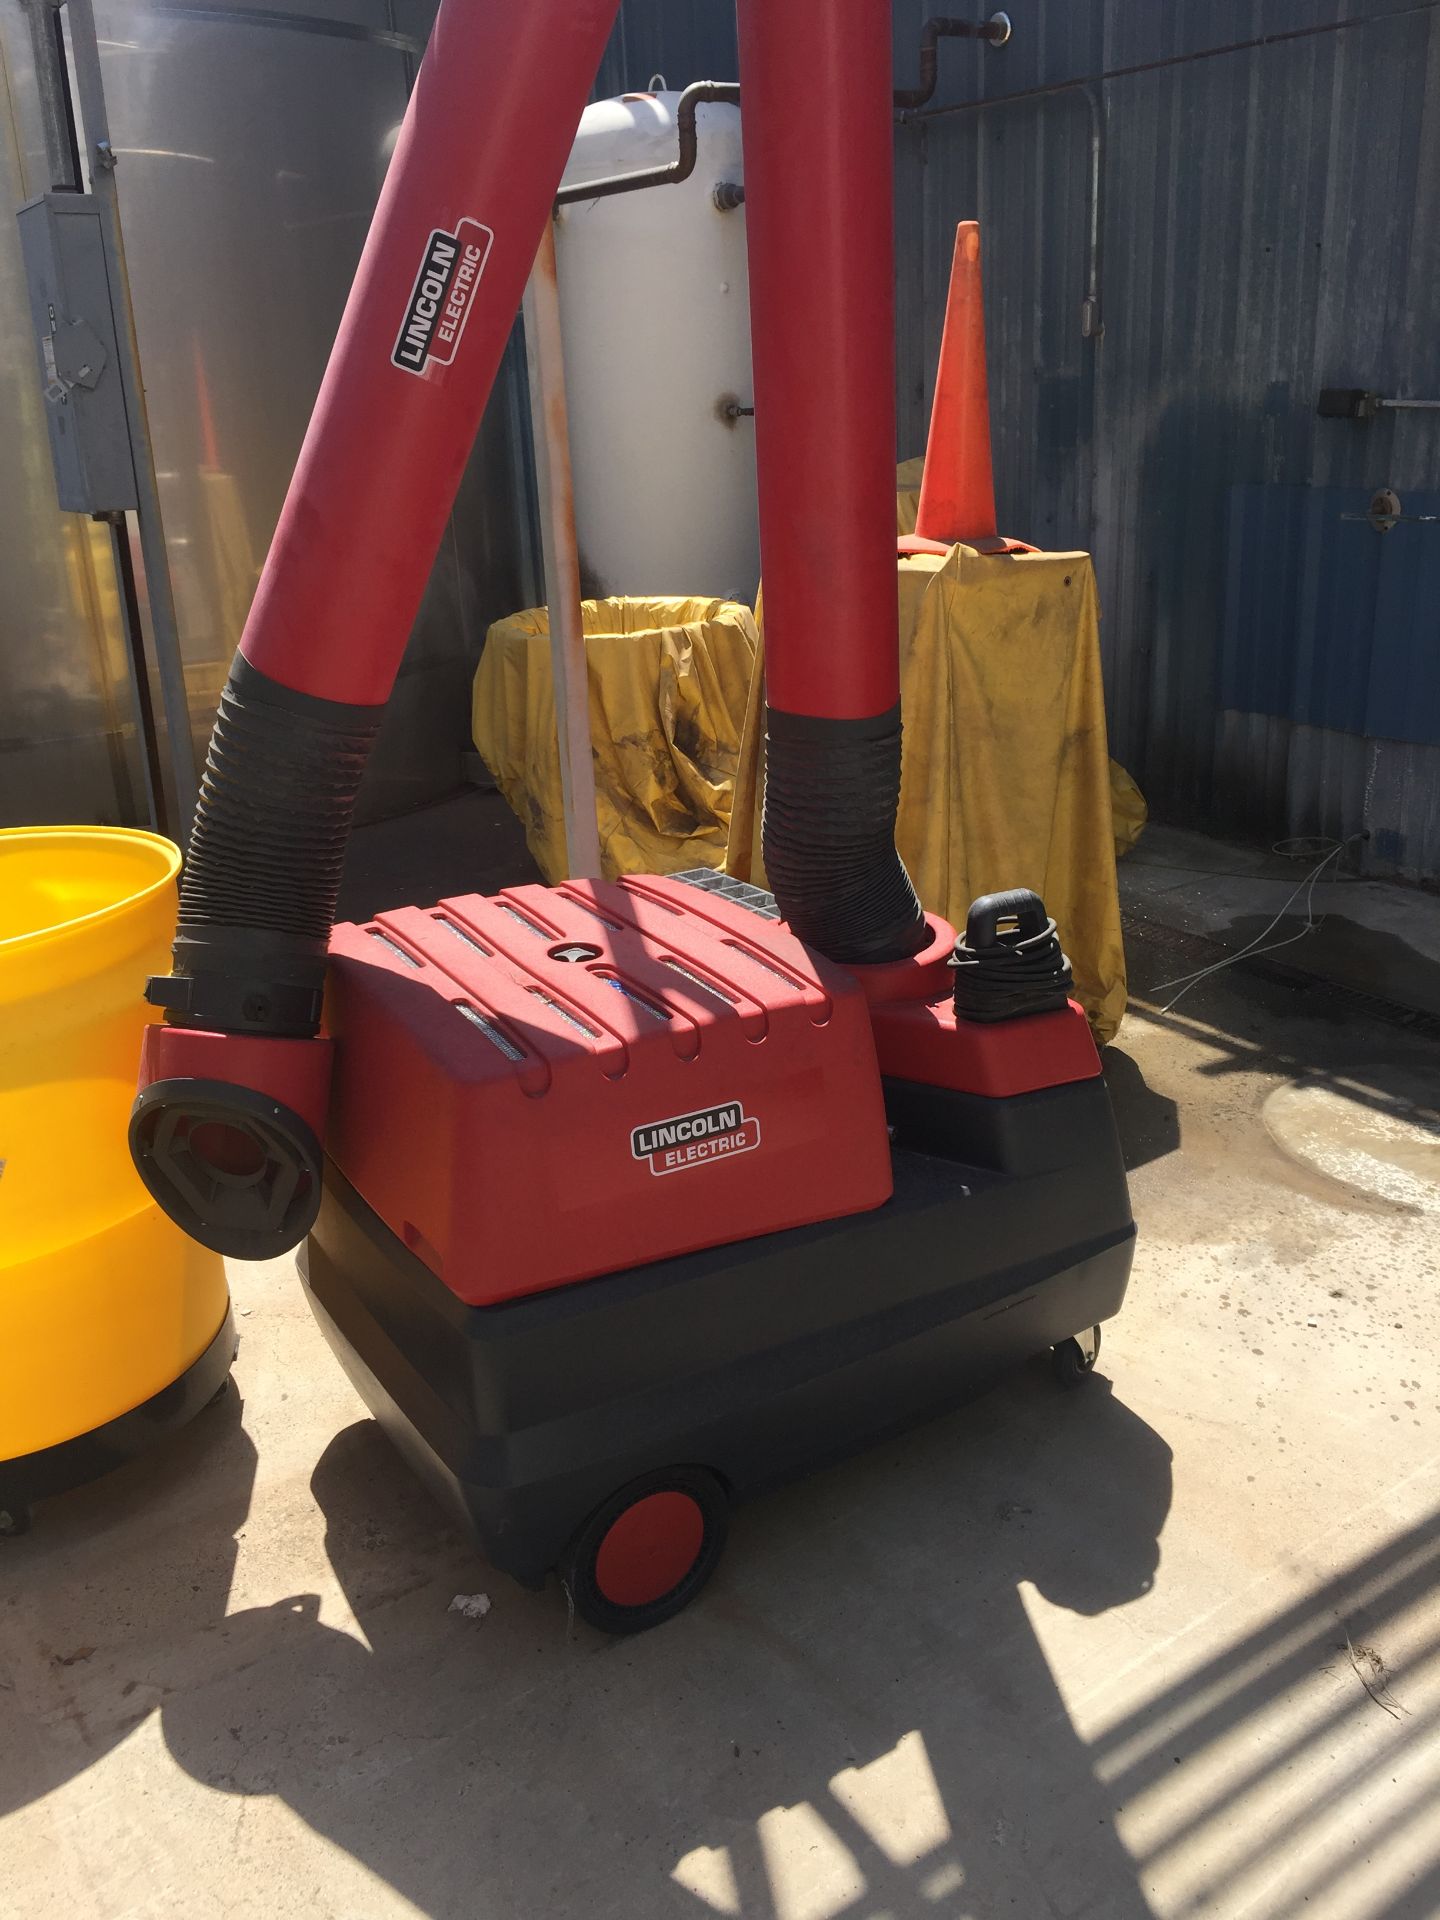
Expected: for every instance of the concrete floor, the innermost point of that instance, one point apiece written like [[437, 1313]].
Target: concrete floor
[[1168, 1646]]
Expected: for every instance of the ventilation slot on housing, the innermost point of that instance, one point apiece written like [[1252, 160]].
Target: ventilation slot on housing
[[712, 987], [491, 1032], [570, 1019], [759, 960], [585, 906], [459, 933], [636, 999], [399, 951], [524, 920], [643, 892]]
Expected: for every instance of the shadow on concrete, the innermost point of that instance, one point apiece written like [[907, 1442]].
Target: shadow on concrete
[[859, 1706], [1346, 1619], [856, 1720], [1272, 1020], [87, 1656], [1148, 1122], [1366, 960]]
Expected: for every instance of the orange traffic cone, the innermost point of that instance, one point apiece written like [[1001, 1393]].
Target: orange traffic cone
[[957, 490]]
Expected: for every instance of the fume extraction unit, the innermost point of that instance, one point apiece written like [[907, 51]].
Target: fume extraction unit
[[622, 1200]]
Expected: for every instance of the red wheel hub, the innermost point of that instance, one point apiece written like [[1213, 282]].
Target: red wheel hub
[[649, 1549]]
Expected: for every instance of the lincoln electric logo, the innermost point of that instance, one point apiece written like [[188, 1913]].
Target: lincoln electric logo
[[695, 1139], [444, 291]]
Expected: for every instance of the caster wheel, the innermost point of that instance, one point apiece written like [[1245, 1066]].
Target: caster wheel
[[648, 1550], [1074, 1360], [14, 1520], [218, 1395]]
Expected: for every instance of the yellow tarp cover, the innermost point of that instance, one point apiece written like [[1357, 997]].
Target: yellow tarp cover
[[1127, 803], [669, 681], [1006, 778], [907, 494], [1128, 808]]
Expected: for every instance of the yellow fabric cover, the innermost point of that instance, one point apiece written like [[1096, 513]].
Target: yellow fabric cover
[[1006, 778], [1127, 805], [668, 685], [907, 493]]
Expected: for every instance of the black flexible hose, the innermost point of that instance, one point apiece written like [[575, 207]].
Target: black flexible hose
[[258, 894], [831, 792]]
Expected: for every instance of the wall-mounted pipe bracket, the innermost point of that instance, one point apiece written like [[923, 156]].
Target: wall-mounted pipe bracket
[[994, 32]]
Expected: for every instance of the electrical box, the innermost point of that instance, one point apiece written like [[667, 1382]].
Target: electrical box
[[75, 337]]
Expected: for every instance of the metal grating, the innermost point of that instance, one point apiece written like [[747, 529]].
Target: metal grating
[[708, 880]]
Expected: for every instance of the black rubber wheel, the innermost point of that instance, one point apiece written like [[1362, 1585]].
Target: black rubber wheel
[[648, 1550], [14, 1520], [1071, 1362]]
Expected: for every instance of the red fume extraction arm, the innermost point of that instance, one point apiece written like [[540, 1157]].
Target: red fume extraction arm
[[234, 1087]]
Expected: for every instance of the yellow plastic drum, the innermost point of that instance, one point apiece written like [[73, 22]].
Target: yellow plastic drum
[[114, 1328]]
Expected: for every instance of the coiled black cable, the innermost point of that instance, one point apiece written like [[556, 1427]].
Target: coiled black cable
[[1010, 962]]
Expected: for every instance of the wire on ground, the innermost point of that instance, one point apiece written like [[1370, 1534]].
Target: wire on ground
[[1289, 849]]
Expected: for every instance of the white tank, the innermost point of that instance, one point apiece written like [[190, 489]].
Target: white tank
[[655, 317]]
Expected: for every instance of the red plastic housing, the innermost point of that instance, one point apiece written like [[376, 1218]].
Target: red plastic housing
[[919, 1037], [920, 976], [924, 1041], [557, 1083], [294, 1072]]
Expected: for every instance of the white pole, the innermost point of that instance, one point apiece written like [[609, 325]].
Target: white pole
[[550, 427]]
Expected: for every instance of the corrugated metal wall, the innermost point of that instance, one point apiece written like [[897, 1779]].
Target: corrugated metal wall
[[1266, 222], [684, 40], [1269, 224]]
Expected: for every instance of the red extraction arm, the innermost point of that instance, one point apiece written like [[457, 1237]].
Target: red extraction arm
[[480, 157], [227, 1127], [485, 141]]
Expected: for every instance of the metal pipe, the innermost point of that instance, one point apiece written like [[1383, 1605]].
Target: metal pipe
[[1169, 61], [72, 137], [1091, 323], [1360, 403], [57, 119], [993, 32], [1089, 85], [698, 93], [549, 420], [124, 562]]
